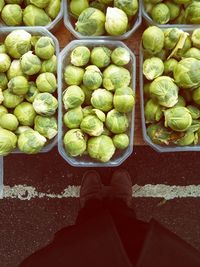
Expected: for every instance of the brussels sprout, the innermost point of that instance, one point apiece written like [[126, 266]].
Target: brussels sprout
[[181, 18], [98, 5], [12, 15], [100, 56], [17, 43], [34, 39], [196, 96], [75, 142], [9, 122], [124, 99], [18, 85], [46, 126], [5, 62], [192, 13], [22, 129], [80, 56], [2, 48], [192, 52], [8, 141], [31, 142], [194, 112], [92, 77], [121, 141], [49, 65], [73, 75], [174, 9], [117, 122], [115, 26], [187, 73], [130, 7], [32, 92], [11, 100], [181, 102], [2, 3], [45, 48], [106, 132], [186, 46], [3, 81], [30, 64], [46, 82], [35, 16], [101, 148], [25, 114], [164, 91], [88, 110], [163, 54], [53, 8], [102, 99], [172, 36], [14, 1], [45, 104], [169, 66], [100, 115], [178, 119], [153, 39], [153, 68], [73, 97], [120, 56], [160, 13], [91, 22], [186, 140], [15, 69], [92, 125], [1, 96], [152, 111], [115, 77], [88, 94], [76, 7], [3, 110], [39, 3], [72, 118], [196, 38]]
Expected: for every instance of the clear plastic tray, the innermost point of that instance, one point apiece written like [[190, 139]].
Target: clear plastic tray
[[49, 27], [69, 24], [147, 139], [64, 59]]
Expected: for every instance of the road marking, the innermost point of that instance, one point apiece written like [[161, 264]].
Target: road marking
[[25, 192]]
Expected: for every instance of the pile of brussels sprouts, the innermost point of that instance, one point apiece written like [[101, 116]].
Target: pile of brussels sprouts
[[29, 12], [171, 70], [27, 82], [173, 11], [97, 101], [97, 17]]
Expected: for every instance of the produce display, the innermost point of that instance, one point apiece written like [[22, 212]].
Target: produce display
[[173, 11], [171, 70], [97, 102], [28, 68], [100, 17], [29, 12]]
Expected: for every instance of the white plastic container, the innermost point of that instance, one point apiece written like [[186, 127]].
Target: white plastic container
[[64, 59]]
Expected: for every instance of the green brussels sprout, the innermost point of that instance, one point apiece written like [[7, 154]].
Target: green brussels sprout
[[46, 126], [32, 92], [72, 118], [3, 81], [178, 119], [80, 56], [98, 5], [3, 110], [34, 39], [100, 56], [181, 18], [91, 22], [160, 13], [45, 104], [187, 73], [45, 48], [117, 122], [102, 99], [192, 13], [115, 26], [11, 100], [30, 63], [49, 65], [164, 91], [100, 115], [196, 38], [76, 7], [17, 43], [179, 2], [163, 54], [39, 3], [130, 7], [153, 112], [5, 62], [196, 96], [75, 142], [35, 16], [31, 142], [9, 122], [106, 132], [22, 129], [12, 15], [124, 99], [1, 96], [53, 8], [2, 48], [73, 75], [73, 97], [92, 125], [25, 114], [169, 66], [174, 9], [182, 50], [116, 77], [194, 112], [106, 2], [153, 39], [153, 68], [172, 36], [121, 141], [88, 110], [192, 52], [181, 102], [92, 77], [14, 1], [2, 3], [46, 82], [186, 140], [88, 94], [14, 70], [8, 141], [120, 56], [18, 85], [101, 148]]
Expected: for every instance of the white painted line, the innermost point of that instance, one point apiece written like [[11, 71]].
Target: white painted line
[[24, 192]]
